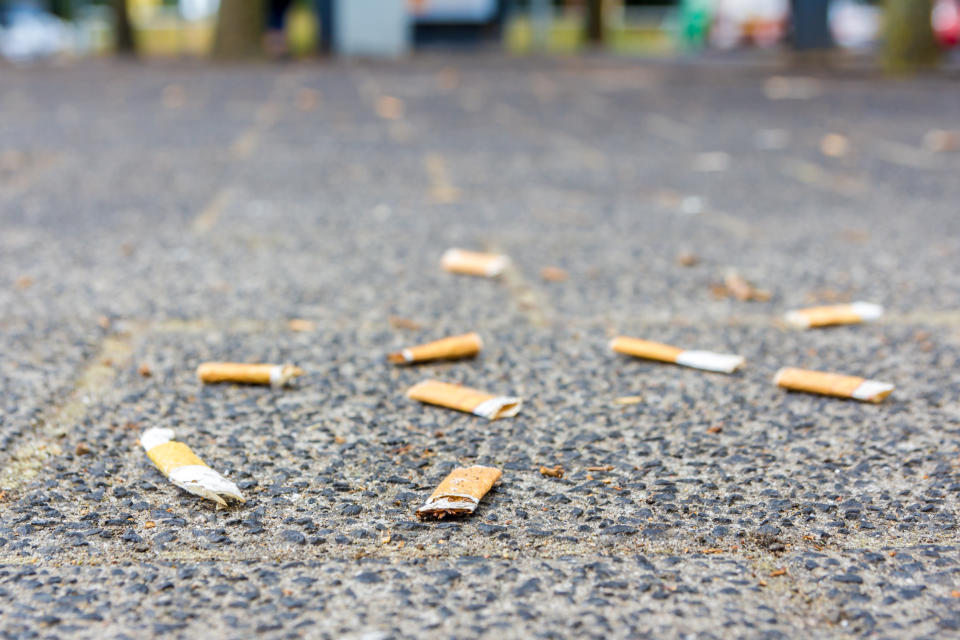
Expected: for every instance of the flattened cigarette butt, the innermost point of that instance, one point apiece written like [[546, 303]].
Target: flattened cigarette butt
[[830, 315], [454, 396], [460, 492], [474, 263], [832, 384], [276, 375], [706, 360], [452, 348], [184, 469]]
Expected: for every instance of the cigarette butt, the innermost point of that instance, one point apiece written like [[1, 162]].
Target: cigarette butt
[[276, 375], [474, 263], [454, 396], [464, 346], [184, 469], [832, 384], [460, 492], [830, 315], [706, 360], [300, 324]]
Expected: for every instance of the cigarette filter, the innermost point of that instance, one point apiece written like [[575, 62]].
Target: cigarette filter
[[832, 384], [854, 313], [184, 469], [276, 375], [454, 396], [465, 346], [474, 263], [706, 360], [460, 492]]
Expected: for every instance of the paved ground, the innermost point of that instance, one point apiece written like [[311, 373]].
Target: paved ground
[[163, 216]]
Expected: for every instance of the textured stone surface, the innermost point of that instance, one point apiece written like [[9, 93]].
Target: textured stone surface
[[157, 217]]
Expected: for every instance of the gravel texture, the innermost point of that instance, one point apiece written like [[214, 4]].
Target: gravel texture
[[155, 217]]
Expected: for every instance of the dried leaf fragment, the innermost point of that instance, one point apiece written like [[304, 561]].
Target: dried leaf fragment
[[555, 472], [553, 274]]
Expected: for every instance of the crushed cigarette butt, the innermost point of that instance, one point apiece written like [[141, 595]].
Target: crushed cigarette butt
[[778, 572], [706, 360], [474, 263], [826, 316], [687, 259], [460, 492], [184, 469], [299, 324], [465, 399], [628, 400], [144, 370], [715, 429], [553, 274], [555, 472], [832, 384], [737, 286], [82, 449], [452, 348], [276, 375], [606, 467]]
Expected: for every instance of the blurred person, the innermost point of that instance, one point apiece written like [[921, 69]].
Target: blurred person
[[275, 39]]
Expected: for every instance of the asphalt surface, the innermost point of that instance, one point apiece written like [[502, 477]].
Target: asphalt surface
[[154, 217]]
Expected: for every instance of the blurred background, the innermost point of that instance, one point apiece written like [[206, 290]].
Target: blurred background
[[901, 35]]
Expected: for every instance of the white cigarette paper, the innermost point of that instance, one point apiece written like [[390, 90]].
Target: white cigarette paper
[[184, 469], [705, 360], [826, 316]]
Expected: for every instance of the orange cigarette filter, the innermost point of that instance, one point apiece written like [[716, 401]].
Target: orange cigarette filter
[[454, 396], [276, 375], [460, 492], [706, 360], [474, 263], [836, 314], [185, 469], [452, 348], [832, 384]]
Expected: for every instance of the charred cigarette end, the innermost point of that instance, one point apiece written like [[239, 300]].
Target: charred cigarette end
[[831, 315], [706, 360], [452, 348], [465, 399], [832, 384], [276, 375], [460, 492], [474, 263], [185, 469]]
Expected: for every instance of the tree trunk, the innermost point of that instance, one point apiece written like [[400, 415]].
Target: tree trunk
[[239, 30], [909, 43], [594, 27], [124, 41]]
